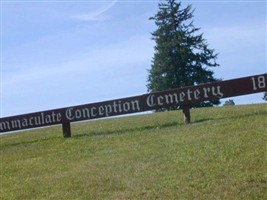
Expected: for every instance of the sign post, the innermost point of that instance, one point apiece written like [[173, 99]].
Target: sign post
[[176, 97], [186, 112], [66, 130]]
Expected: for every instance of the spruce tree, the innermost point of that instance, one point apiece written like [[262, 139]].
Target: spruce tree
[[182, 56]]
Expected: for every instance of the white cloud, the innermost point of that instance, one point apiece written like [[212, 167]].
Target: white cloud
[[57, 62], [95, 15], [136, 49], [119, 67]]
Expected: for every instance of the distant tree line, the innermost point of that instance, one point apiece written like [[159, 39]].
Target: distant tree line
[[265, 96]]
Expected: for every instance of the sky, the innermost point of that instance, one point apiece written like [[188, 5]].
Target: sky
[[63, 53]]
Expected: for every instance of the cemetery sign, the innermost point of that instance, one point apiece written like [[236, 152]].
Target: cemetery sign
[[152, 101]]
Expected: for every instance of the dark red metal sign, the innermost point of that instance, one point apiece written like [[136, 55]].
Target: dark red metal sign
[[146, 102]]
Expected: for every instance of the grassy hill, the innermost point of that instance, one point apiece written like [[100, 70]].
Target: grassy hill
[[222, 154]]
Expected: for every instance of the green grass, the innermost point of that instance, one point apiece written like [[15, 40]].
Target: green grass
[[220, 155]]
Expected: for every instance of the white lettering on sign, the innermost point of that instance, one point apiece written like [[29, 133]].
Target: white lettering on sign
[[4, 125], [182, 96], [116, 107], [39, 120], [213, 92], [196, 94], [152, 101], [258, 83], [189, 95]]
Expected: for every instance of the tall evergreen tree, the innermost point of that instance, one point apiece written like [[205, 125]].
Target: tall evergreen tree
[[182, 55]]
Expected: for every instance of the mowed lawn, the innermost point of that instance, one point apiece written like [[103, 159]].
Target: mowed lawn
[[222, 154]]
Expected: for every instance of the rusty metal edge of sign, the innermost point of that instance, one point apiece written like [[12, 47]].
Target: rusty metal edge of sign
[[151, 101]]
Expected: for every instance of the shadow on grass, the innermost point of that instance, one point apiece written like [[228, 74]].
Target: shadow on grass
[[162, 126], [93, 133], [25, 143], [133, 129], [202, 120], [260, 113], [127, 130]]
